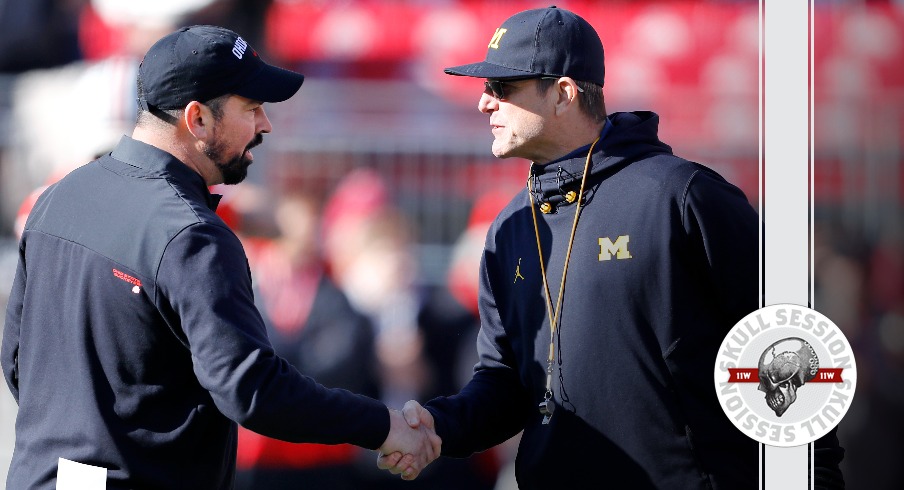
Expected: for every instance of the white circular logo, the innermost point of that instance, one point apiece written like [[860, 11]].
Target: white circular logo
[[785, 375]]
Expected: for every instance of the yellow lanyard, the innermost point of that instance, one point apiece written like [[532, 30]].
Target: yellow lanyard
[[546, 406]]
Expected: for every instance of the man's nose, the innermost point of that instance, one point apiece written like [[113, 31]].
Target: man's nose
[[487, 103], [263, 123]]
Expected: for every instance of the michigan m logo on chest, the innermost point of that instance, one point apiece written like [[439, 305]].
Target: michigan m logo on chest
[[619, 249]]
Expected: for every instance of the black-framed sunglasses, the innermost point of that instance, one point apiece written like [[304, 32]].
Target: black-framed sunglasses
[[495, 87]]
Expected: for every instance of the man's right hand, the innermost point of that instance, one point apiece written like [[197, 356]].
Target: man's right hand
[[412, 442]]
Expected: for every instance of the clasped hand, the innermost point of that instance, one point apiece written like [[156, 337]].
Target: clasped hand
[[412, 442]]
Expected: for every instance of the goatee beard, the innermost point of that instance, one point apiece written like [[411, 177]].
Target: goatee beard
[[235, 169]]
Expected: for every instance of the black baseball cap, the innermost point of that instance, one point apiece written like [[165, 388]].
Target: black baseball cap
[[204, 62], [541, 42]]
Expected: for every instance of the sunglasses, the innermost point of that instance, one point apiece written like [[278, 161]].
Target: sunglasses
[[495, 87]]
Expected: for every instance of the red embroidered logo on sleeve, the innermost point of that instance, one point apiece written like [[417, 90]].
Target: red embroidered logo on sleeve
[[134, 281]]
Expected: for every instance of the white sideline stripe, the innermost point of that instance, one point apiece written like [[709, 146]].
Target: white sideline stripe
[[785, 188]]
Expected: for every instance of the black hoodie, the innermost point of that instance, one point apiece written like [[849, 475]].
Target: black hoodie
[[664, 263]]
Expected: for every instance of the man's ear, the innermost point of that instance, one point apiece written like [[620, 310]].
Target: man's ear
[[198, 119], [566, 94]]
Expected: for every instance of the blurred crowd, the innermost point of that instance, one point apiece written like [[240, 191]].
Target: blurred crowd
[[337, 266], [336, 281]]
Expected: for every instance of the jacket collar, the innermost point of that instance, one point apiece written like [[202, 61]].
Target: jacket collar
[[154, 162], [551, 182], [625, 137]]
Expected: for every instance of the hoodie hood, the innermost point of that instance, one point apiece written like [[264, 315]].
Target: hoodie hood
[[631, 136]]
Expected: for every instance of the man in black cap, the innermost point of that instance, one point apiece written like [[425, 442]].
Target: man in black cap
[[132, 343], [606, 286]]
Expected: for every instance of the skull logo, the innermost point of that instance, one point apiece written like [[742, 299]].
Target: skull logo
[[784, 367]]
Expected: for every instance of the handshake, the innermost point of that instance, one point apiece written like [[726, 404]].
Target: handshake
[[412, 442]]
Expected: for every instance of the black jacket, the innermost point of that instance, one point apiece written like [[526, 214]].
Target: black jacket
[[132, 341]]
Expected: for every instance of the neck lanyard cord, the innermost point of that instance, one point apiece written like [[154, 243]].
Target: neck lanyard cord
[[555, 313]]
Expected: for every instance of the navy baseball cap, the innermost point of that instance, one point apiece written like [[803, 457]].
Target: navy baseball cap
[[204, 62], [541, 42]]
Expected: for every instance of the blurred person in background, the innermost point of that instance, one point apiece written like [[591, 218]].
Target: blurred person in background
[[131, 341], [92, 95], [311, 324], [451, 322], [863, 285], [881, 443], [608, 374], [78, 59], [370, 246], [38, 34], [451, 312]]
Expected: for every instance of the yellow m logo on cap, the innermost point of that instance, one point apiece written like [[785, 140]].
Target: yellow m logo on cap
[[619, 248], [497, 36]]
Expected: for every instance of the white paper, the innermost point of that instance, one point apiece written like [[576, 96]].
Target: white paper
[[79, 476]]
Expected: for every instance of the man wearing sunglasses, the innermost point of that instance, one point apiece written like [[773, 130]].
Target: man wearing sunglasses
[[633, 264]]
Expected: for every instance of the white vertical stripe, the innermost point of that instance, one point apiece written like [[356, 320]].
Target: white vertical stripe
[[785, 189]]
